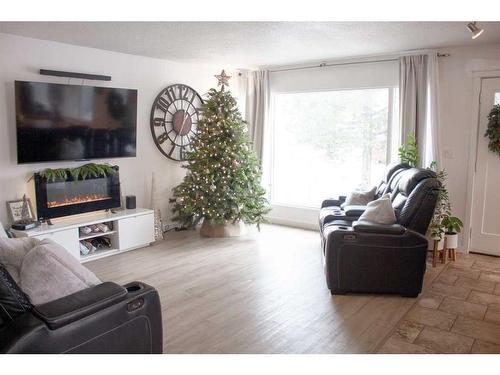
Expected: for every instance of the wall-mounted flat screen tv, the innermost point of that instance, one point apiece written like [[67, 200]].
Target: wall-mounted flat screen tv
[[68, 122]]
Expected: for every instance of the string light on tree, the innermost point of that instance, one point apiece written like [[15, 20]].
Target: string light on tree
[[230, 188]]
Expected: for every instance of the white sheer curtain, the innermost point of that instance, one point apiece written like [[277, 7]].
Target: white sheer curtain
[[418, 86], [256, 96]]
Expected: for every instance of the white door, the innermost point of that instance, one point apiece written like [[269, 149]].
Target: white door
[[485, 220]]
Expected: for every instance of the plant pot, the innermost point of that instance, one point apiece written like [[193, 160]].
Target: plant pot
[[431, 240], [452, 240], [229, 229]]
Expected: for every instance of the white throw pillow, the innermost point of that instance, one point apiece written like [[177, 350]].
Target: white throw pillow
[[379, 211], [360, 198], [49, 272]]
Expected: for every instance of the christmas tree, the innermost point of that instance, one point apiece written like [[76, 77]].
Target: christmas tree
[[223, 180]]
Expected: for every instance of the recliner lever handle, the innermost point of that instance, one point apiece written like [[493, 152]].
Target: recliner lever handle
[[135, 304]]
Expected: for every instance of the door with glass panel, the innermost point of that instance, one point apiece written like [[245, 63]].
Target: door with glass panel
[[327, 143], [485, 218]]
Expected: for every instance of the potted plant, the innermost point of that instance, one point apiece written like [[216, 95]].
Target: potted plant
[[436, 233], [437, 228], [453, 226]]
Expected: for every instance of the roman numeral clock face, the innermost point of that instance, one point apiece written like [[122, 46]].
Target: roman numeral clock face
[[174, 117]]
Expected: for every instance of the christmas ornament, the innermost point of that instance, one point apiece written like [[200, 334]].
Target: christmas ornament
[[223, 79]]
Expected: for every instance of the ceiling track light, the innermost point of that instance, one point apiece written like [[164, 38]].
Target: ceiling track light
[[474, 29]]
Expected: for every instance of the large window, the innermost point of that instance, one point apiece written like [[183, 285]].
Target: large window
[[326, 143]]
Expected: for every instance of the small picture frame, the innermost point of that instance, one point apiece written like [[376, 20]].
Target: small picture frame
[[15, 208]]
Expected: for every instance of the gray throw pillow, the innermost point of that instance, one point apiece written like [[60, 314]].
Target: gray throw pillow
[[360, 198], [13, 251], [379, 211], [49, 272], [3, 233]]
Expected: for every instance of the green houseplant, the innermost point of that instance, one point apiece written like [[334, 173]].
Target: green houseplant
[[437, 229], [442, 225], [408, 153], [453, 226]]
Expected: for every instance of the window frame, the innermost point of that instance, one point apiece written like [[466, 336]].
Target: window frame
[[393, 136]]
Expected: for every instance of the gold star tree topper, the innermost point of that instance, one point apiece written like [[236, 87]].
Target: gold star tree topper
[[223, 79]]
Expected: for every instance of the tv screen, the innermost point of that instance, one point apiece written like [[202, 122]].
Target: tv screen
[[69, 122]]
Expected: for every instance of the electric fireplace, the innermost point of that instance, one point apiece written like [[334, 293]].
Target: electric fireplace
[[64, 197]]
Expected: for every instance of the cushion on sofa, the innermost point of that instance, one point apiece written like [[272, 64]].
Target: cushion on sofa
[[3, 233], [50, 272], [13, 302], [360, 197], [12, 253], [379, 211]]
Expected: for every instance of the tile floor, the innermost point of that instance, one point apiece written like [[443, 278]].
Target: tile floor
[[458, 313]]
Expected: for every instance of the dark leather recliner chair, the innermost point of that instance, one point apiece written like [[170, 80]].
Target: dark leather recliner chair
[[365, 257], [330, 207], [107, 318]]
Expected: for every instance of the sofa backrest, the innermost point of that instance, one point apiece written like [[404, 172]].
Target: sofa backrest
[[414, 198], [391, 171]]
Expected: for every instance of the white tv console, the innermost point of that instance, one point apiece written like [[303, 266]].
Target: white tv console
[[132, 229]]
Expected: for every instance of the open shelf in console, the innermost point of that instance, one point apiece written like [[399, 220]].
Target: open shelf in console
[[98, 239], [97, 254], [131, 229], [98, 234]]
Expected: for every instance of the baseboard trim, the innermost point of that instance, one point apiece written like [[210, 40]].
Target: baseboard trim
[[292, 223]]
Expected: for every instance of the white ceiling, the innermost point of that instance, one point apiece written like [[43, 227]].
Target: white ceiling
[[251, 44]]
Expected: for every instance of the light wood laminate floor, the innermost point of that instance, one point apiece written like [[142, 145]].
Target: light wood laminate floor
[[263, 293]]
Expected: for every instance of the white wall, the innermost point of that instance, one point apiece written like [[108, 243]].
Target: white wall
[[21, 58], [458, 123]]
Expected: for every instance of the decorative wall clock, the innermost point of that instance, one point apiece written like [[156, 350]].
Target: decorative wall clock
[[174, 117]]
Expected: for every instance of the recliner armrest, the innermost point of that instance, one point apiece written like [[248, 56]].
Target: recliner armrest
[[371, 227], [333, 202], [354, 210], [71, 308]]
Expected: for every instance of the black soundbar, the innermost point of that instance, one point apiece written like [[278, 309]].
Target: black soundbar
[[59, 73]]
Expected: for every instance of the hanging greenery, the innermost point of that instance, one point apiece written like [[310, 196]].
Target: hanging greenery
[[78, 173], [493, 131]]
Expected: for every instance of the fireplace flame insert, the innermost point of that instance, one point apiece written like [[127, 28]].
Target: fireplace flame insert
[[64, 197]]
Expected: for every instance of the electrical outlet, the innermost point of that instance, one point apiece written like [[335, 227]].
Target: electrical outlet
[[448, 154]]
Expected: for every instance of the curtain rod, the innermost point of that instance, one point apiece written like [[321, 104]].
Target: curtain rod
[[324, 65]]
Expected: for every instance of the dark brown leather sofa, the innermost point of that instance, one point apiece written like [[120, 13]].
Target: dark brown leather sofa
[[107, 318], [364, 257], [330, 207]]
